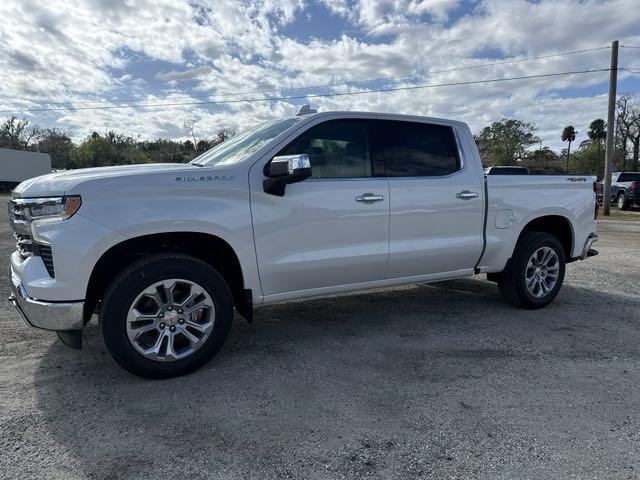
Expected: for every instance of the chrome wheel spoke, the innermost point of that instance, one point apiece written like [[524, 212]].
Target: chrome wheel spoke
[[543, 287], [190, 336], [180, 311], [136, 316], [154, 350], [168, 286], [170, 342], [193, 294], [197, 307], [197, 326], [144, 329]]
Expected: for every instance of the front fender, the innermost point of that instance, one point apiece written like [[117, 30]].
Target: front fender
[[222, 212]]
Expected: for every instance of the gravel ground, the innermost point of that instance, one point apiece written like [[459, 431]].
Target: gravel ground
[[439, 381]]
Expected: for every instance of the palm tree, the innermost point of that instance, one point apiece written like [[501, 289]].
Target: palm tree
[[597, 133], [568, 135]]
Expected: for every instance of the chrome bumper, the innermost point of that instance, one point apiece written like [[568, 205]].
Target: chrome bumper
[[586, 251], [59, 316]]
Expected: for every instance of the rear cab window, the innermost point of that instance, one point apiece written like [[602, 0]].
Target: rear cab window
[[413, 149]]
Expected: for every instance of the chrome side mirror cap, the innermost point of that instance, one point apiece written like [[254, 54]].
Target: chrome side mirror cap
[[285, 169], [288, 165]]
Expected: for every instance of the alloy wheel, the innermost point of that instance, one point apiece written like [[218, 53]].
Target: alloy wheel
[[170, 320], [542, 272]]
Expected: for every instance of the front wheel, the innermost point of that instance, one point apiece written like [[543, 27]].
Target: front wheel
[[535, 272], [166, 315]]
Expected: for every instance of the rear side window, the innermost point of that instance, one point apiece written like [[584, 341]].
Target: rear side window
[[418, 149]]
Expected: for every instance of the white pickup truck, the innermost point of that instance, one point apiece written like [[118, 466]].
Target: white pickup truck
[[317, 204]]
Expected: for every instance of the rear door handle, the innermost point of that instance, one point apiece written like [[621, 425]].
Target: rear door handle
[[466, 195], [369, 197]]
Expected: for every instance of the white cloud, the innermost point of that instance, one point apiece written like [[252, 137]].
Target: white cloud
[[189, 74], [85, 51]]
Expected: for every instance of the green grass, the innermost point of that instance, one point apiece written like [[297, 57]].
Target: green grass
[[632, 215]]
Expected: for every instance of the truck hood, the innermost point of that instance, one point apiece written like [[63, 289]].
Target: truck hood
[[56, 184]]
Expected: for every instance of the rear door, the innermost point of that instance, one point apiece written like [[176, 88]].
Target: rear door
[[436, 200]]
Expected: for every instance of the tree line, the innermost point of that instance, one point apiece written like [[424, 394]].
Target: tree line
[[103, 149], [510, 142], [504, 142]]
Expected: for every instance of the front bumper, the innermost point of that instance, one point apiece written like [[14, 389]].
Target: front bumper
[[58, 316]]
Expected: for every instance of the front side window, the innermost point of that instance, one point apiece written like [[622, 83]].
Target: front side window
[[418, 149], [336, 149]]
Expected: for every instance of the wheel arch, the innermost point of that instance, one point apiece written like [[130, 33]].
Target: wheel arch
[[556, 225], [212, 249]]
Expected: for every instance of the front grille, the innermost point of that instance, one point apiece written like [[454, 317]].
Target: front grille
[[17, 219], [25, 245], [47, 259]]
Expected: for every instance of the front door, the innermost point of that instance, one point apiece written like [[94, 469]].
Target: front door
[[331, 229]]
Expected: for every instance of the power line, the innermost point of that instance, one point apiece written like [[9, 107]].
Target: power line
[[630, 46], [348, 83], [316, 95]]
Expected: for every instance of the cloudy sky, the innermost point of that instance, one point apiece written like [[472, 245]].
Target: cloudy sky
[[71, 56]]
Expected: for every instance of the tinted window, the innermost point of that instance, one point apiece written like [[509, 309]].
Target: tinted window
[[507, 171], [629, 177], [337, 148], [418, 149]]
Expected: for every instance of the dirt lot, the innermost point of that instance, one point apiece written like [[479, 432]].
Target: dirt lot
[[440, 381]]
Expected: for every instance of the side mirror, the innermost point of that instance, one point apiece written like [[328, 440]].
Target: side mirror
[[283, 170]]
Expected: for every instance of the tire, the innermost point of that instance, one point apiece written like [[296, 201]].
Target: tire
[[184, 287], [514, 280], [623, 201]]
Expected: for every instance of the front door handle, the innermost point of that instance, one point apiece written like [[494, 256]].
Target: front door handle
[[369, 197], [466, 195]]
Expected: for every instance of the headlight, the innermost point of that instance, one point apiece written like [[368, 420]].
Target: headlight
[[50, 208]]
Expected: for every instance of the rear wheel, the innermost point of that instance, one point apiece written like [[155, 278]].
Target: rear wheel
[[535, 272], [166, 315], [623, 202]]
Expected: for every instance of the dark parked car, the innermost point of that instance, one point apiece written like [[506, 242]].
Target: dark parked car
[[625, 189]]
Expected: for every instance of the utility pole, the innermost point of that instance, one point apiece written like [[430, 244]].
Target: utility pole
[[611, 121]]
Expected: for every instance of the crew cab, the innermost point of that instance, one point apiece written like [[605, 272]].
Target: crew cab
[[305, 206]]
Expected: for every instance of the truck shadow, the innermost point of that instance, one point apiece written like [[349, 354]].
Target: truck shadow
[[307, 381]]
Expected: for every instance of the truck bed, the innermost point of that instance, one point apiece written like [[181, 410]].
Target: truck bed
[[512, 201]]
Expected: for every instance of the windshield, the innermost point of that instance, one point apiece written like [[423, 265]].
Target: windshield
[[241, 146]]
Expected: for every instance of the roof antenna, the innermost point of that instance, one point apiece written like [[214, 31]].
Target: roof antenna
[[305, 110]]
